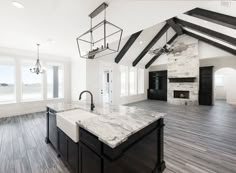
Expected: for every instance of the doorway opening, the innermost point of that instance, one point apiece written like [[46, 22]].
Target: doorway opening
[[106, 84], [224, 85]]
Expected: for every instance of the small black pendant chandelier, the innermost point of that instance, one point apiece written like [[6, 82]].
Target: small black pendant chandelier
[[100, 40], [38, 68]]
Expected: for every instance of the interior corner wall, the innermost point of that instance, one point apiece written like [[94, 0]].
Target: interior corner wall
[[78, 77]]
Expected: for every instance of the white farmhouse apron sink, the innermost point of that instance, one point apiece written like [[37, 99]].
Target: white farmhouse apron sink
[[66, 121]]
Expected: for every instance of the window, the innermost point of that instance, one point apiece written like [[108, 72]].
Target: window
[[133, 81], [31, 83], [7, 81], [219, 80], [124, 80], [55, 81], [140, 81]]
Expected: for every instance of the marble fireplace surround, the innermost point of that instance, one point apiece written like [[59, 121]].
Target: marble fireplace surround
[[183, 71]]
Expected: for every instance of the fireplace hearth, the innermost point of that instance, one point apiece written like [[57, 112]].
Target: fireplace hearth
[[181, 94]]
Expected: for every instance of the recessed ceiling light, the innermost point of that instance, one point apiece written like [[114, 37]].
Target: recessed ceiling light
[[140, 42], [17, 4]]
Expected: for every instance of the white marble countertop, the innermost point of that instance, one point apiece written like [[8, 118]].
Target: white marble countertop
[[113, 125]]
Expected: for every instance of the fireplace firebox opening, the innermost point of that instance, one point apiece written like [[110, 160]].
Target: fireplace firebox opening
[[181, 94]]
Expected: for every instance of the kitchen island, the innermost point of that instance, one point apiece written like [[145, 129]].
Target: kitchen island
[[110, 139]]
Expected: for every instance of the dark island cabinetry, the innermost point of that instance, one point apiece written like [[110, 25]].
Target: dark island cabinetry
[[103, 147], [89, 160], [64, 146], [157, 85], [68, 150], [141, 153]]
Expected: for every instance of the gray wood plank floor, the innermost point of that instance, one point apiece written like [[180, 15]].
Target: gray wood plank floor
[[22, 146], [198, 139]]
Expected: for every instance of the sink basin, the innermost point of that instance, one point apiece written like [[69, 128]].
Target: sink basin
[[66, 121]]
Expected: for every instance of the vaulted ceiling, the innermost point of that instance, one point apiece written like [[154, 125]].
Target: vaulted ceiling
[[213, 24], [56, 23]]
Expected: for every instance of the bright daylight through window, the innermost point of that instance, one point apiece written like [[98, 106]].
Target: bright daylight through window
[[124, 71], [219, 80], [7, 81], [31, 84], [133, 81], [140, 81]]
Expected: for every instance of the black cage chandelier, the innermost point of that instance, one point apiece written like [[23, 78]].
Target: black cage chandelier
[[101, 39], [38, 68]]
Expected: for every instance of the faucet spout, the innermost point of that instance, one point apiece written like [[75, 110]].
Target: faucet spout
[[92, 104]]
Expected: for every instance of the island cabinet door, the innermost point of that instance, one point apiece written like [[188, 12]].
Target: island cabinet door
[[69, 150], [89, 161], [141, 157], [141, 153], [73, 155]]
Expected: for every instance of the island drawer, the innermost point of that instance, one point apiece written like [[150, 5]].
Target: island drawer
[[90, 140]]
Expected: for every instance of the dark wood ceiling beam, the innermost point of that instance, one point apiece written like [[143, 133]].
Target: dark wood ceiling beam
[[127, 46], [175, 26], [151, 44], [213, 43], [221, 19], [160, 52], [223, 37]]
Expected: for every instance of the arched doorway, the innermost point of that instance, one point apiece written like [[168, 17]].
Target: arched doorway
[[225, 85]]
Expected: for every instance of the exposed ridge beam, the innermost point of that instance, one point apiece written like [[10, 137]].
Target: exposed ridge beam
[[175, 26], [151, 44], [221, 19], [213, 43], [127, 45], [223, 37], [160, 52]]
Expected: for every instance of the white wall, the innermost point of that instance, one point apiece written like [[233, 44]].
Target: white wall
[[78, 76], [228, 91], [19, 107]]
